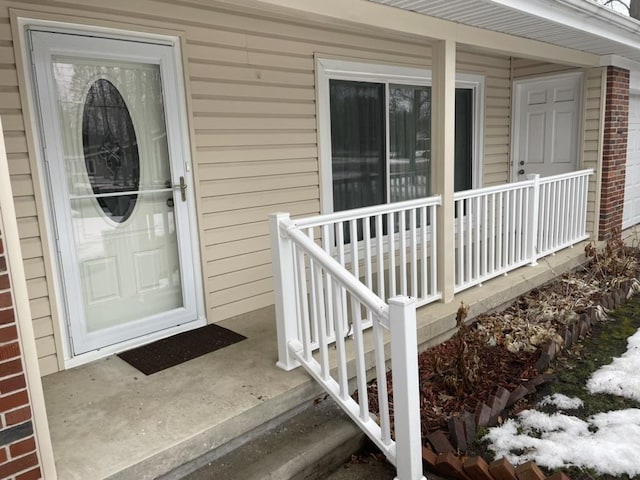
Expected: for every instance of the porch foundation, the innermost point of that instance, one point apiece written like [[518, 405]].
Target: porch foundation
[[614, 152]]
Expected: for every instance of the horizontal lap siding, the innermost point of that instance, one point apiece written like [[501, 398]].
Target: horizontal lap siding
[[252, 95], [497, 112], [592, 134], [25, 202]]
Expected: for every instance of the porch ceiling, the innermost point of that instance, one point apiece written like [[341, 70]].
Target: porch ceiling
[[577, 24]]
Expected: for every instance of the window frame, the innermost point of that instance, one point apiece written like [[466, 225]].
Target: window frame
[[332, 69]]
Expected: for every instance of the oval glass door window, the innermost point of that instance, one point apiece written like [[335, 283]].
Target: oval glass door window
[[110, 150]]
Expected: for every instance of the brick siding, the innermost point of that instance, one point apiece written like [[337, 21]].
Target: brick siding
[[18, 451], [614, 152]]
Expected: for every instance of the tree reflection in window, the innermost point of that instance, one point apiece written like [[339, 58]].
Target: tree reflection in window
[[110, 150]]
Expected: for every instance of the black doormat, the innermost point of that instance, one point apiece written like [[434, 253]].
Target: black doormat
[[180, 348]]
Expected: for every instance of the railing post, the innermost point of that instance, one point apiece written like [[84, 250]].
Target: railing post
[[534, 212], [406, 393], [284, 289]]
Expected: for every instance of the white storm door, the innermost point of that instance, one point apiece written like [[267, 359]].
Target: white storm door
[[631, 212], [113, 151], [547, 120]]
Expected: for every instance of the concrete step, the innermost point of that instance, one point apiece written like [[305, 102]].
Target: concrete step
[[310, 445]]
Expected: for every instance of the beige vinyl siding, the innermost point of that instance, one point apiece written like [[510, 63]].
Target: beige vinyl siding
[[497, 112], [25, 202], [253, 115], [593, 115], [529, 68]]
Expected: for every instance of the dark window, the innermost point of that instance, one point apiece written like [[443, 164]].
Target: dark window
[[110, 150]]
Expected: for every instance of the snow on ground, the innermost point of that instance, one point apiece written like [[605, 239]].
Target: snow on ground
[[558, 440], [622, 376], [562, 402]]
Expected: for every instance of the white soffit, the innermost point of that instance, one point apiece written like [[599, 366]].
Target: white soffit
[[578, 24]]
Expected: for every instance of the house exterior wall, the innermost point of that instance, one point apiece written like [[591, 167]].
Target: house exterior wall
[[593, 122], [252, 117], [18, 450]]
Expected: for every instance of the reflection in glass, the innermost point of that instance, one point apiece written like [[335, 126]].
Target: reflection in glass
[[110, 149], [357, 144], [117, 166], [409, 142]]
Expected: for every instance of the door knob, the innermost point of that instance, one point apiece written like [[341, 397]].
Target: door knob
[[183, 189], [521, 162], [521, 171]]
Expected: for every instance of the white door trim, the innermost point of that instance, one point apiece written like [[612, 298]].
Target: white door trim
[[173, 64], [515, 115]]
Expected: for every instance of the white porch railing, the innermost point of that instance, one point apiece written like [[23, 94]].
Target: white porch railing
[[501, 228], [333, 273], [315, 296], [562, 211], [395, 250]]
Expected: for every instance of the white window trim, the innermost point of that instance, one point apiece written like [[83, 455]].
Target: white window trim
[[330, 69]]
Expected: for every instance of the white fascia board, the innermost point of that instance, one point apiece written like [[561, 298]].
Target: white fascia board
[[585, 16]]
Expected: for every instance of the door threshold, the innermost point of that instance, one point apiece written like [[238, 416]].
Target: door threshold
[[94, 355]]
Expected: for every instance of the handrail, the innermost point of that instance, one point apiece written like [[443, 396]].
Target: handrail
[[479, 192], [564, 176], [351, 283], [358, 213]]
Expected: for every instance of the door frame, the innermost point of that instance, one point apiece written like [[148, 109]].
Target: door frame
[[635, 92], [60, 315], [516, 119]]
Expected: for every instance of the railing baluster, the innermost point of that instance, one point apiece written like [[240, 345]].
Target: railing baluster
[[434, 250], [469, 245], [492, 243], [507, 231], [314, 314], [403, 253], [392, 254], [477, 226], [499, 237], [518, 232], [368, 267], [381, 377], [340, 313], [326, 246], [341, 260], [423, 242], [414, 254], [361, 369], [355, 261], [460, 250], [380, 255], [304, 305], [485, 235], [320, 320]]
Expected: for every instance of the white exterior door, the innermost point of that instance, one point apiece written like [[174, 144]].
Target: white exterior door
[[118, 181], [547, 119], [631, 212]]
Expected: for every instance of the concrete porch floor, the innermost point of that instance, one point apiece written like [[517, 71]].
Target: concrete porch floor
[[108, 420]]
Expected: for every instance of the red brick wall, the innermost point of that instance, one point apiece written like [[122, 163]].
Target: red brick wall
[[18, 453], [614, 153]]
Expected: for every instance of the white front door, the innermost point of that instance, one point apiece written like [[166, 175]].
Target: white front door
[[631, 212], [547, 120], [119, 186]]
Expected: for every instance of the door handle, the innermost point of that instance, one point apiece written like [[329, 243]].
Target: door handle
[[183, 189], [521, 171]]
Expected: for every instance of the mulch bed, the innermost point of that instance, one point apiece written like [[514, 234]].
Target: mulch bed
[[504, 349]]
